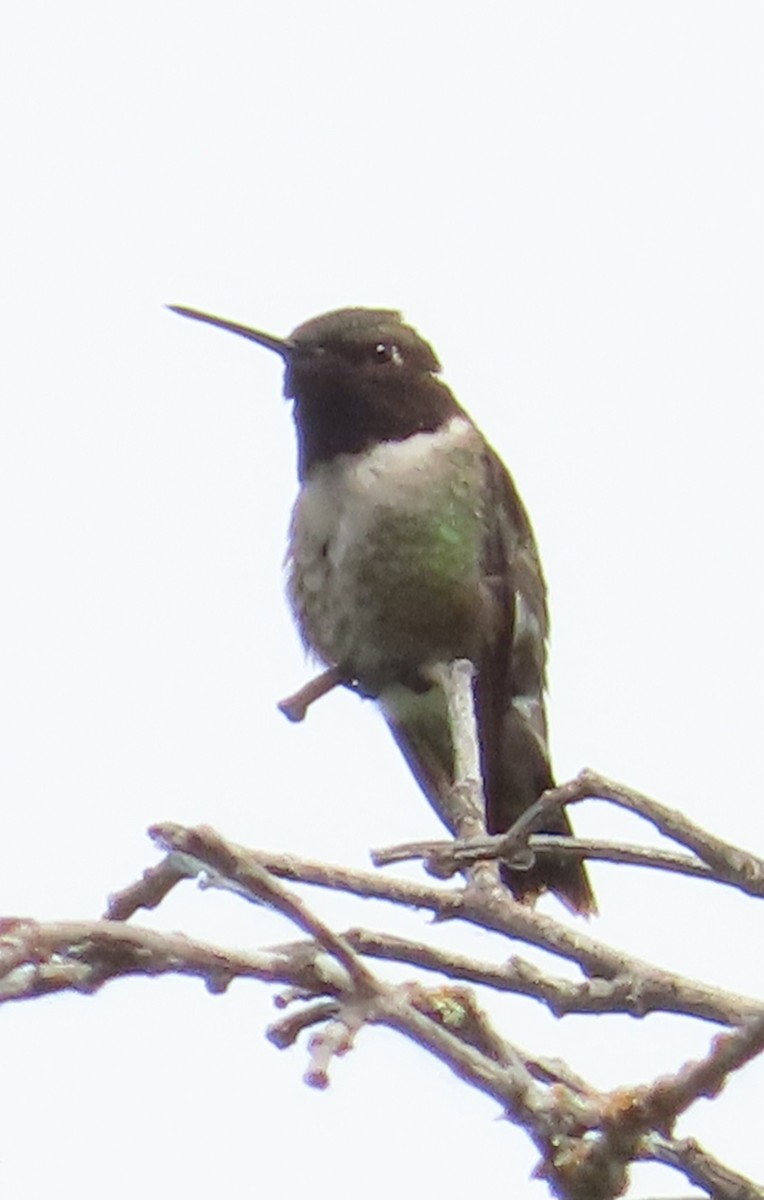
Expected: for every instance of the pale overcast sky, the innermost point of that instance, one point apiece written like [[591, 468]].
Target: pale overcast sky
[[566, 199]]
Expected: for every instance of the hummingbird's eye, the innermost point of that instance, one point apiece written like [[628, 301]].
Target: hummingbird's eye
[[385, 352]]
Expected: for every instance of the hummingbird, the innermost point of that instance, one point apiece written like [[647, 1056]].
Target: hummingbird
[[409, 546]]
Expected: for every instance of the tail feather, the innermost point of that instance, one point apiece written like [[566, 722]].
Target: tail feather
[[515, 774]]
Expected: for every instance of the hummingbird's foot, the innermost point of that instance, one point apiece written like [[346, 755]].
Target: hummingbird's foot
[[295, 707]]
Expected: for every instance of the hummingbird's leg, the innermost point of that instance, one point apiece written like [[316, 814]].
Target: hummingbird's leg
[[295, 707]]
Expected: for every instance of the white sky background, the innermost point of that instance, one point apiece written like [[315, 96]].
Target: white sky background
[[567, 200]]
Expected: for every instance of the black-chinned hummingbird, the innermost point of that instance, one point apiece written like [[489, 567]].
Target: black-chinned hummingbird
[[409, 547]]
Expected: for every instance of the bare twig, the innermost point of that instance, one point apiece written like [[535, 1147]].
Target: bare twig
[[444, 859], [296, 707], [150, 890], [37, 958], [623, 994], [719, 861], [699, 1167], [489, 910], [285, 1032], [455, 680], [463, 809], [720, 856], [557, 1128], [255, 882], [586, 1139], [658, 1106]]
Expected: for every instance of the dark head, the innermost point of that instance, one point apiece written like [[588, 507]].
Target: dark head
[[358, 376]]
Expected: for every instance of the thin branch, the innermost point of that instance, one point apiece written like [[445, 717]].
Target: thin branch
[[443, 859], [333, 1040], [699, 1167], [150, 890], [722, 857], [466, 802], [455, 681], [295, 707], [586, 1139], [556, 1128], [37, 958], [285, 1032], [719, 861], [254, 881], [623, 994], [654, 857], [494, 910], [659, 1105]]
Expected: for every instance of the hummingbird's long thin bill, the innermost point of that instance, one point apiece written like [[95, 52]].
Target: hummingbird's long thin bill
[[281, 345]]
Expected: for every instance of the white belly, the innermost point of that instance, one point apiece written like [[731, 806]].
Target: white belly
[[384, 552]]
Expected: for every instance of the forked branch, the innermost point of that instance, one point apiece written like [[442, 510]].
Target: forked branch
[[585, 1139]]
